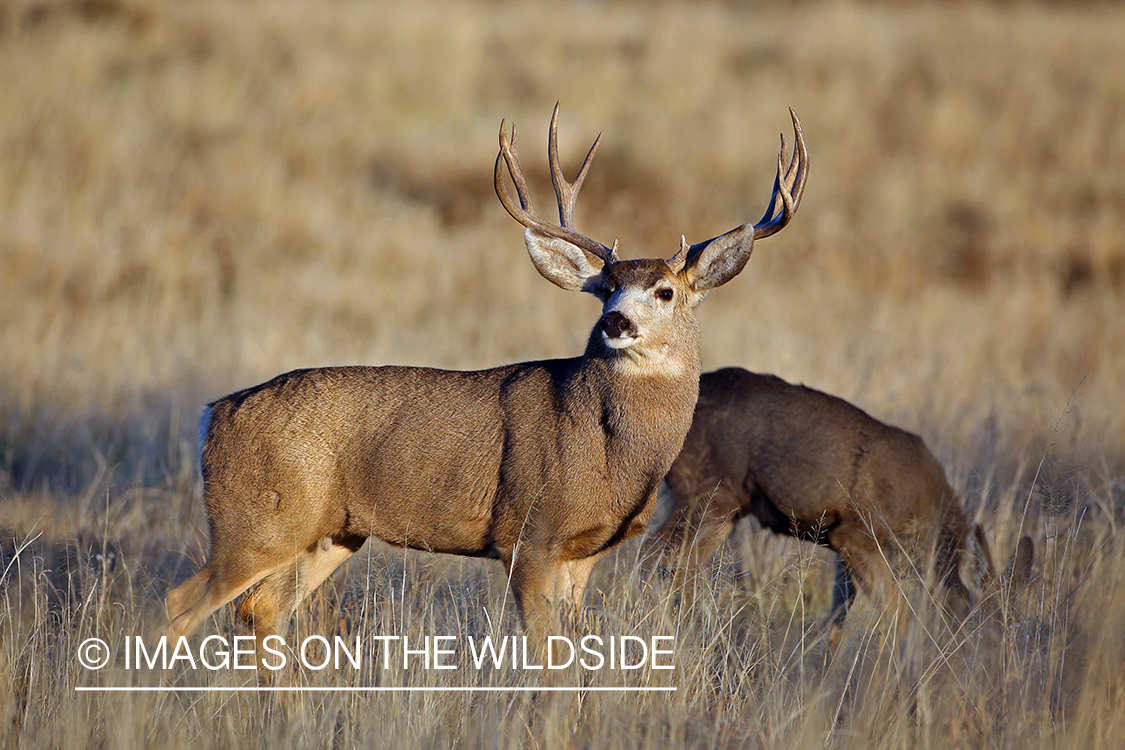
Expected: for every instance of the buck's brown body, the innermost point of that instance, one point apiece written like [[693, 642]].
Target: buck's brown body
[[445, 461], [544, 465]]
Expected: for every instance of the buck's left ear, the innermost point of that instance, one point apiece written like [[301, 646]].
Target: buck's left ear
[[560, 262], [718, 261]]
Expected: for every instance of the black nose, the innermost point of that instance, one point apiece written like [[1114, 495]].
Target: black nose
[[615, 324]]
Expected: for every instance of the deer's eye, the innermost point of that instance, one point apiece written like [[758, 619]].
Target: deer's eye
[[665, 294]]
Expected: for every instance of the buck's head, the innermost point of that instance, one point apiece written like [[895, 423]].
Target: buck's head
[[648, 305]]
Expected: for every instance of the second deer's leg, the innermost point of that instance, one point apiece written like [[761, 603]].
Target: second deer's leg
[[874, 573], [843, 591], [703, 538], [843, 594], [868, 564], [696, 527]]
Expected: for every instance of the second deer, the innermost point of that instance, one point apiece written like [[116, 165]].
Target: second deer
[[810, 465], [542, 465]]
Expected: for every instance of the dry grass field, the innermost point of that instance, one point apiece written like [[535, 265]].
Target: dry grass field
[[197, 196]]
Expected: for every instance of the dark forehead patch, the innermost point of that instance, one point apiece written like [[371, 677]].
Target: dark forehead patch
[[645, 273]]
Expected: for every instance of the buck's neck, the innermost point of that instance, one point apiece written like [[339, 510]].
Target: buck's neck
[[642, 405], [656, 379]]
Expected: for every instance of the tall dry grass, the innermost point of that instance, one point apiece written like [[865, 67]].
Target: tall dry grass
[[197, 196]]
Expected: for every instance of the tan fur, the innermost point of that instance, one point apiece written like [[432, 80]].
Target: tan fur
[[814, 466], [542, 465]]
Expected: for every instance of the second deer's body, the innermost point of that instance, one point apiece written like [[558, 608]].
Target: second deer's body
[[811, 465]]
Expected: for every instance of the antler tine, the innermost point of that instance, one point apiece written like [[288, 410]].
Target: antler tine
[[777, 203], [565, 192], [511, 156], [788, 186]]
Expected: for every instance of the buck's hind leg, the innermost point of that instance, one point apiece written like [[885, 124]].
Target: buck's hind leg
[[570, 584], [193, 601], [269, 607], [184, 596], [241, 556]]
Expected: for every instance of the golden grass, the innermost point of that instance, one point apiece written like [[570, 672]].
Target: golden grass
[[197, 196]]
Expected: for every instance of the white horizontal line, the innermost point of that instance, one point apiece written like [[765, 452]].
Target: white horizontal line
[[362, 689]]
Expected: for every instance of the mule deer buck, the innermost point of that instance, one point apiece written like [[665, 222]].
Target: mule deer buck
[[813, 466], [543, 465]]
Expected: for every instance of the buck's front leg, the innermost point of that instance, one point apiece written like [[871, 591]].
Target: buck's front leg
[[533, 585], [570, 584], [549, 594]]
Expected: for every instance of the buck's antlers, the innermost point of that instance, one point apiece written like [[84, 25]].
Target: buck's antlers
[[565, 192], [788, 187]]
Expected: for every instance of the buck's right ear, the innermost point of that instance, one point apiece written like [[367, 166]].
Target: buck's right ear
[[559, 261]]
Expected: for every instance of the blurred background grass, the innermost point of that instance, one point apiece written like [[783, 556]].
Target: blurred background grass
[[197, 196]]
